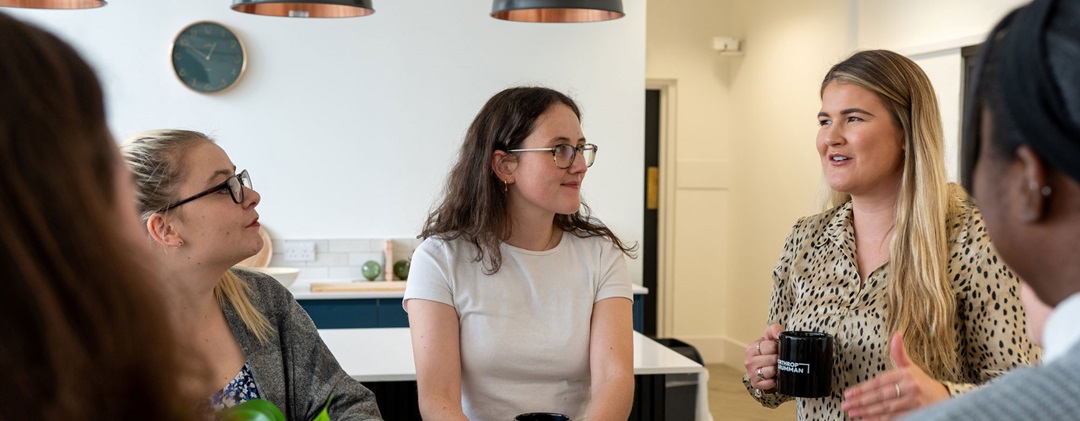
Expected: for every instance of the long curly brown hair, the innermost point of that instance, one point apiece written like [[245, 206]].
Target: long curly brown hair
[[474, 205]]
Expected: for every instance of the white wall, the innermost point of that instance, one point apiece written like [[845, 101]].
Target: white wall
[[679, 48], [348, 126], [931, 33], [921, 25], [744, 139], [776, 171]]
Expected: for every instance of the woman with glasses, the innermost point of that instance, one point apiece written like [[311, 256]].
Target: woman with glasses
[[199, 214], [519, 301]]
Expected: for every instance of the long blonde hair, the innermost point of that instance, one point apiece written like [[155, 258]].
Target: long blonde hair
[[922, 303], [156, 157]]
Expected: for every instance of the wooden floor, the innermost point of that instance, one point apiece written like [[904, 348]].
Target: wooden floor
[[728, 399]]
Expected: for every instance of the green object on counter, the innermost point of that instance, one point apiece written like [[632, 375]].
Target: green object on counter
[[324, 415], [371, 269], [401, 269], [253, 410]]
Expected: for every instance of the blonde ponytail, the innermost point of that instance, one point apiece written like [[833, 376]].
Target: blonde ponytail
[[233, 290]]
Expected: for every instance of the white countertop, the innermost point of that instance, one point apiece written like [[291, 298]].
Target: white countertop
[[385, 355], [301, 290]]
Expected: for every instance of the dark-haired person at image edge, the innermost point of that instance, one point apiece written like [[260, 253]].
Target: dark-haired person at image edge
[[518, 300], [899, 268], [83, 333], [1022, 155], [199, 215]]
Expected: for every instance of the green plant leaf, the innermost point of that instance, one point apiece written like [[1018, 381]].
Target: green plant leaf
[[324, 415], [253, 410]]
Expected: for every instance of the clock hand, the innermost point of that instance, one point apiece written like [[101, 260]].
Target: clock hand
[[197, 51], [212, 47]]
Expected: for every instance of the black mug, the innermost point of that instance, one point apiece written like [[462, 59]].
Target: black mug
[[804, 367], [541, 416]]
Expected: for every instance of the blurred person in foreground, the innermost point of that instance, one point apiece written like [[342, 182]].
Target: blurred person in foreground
[[83, 332], [1022, 156]]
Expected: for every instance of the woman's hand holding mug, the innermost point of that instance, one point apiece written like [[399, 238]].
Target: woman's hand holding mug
[[761, 356]]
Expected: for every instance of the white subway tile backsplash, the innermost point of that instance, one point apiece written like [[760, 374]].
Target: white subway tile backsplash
[[314, 273], [279, 246], [330, 259], [342, 258], [352, 246], [358, 259], [348, 272]]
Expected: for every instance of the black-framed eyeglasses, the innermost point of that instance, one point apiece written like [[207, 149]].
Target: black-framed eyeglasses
[[234, 184], [564, 154]]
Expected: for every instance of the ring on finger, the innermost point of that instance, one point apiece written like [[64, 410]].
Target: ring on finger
[[897, 389], [759, 347], [759, 375]]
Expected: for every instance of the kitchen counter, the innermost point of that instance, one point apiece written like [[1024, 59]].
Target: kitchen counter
[[385, 355], [380, 355]]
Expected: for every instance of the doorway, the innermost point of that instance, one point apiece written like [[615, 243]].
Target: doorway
[[657, 247], [651, 207]]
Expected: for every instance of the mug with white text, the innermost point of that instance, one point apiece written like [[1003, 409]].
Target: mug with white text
[[804, 367]]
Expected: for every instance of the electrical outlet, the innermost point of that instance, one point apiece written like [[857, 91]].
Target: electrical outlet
[[300, 251]]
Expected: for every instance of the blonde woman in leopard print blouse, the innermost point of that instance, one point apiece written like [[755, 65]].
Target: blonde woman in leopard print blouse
[[899, 268]]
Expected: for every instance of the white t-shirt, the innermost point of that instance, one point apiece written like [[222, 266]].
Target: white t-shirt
[[525, 329], [1061, 331]]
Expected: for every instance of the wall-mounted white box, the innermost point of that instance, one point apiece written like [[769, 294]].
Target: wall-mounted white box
[[303, 251]]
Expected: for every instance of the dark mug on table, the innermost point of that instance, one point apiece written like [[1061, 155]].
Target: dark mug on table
[[804, 366], [541, 416]]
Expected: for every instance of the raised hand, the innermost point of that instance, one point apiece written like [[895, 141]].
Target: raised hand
[[893, 393]]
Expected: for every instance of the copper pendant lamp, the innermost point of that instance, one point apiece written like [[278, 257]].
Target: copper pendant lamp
[[305, 8], [557, 10], [53, 4]]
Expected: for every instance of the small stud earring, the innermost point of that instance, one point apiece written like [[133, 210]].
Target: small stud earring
[[181, 243], [1046, 191]]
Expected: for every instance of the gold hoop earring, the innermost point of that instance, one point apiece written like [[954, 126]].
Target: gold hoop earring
[[506, 186]]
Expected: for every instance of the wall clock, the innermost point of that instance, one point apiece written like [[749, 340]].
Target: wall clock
[[208, 57]]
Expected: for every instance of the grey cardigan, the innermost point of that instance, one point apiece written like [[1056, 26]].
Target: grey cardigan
[[294, 369], [1046, 392]]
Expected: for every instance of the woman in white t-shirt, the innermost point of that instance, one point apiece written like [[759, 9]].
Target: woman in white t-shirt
[[520, 301]]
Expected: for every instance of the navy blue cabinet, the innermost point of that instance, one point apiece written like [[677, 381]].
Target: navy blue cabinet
[[639, 313], [392, 314], [354, 313], [351, 313]]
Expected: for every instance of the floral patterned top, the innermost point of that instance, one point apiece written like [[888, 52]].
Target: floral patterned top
[[241, 389]]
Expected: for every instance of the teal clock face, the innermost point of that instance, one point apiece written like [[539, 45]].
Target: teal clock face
[[208, 57]]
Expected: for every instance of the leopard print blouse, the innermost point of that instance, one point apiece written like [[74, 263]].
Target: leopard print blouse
[[816, 287]]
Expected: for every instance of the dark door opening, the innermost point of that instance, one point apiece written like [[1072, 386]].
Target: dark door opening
[[649, 250]]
